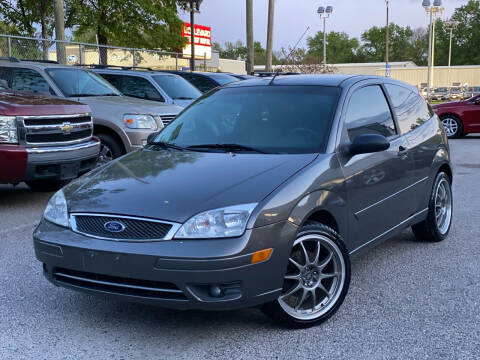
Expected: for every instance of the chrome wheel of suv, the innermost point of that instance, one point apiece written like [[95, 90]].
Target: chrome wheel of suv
[[314, 279], [105, 155], [443, 206]]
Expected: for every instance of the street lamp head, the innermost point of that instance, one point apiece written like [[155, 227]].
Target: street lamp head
[[321, 10], [329, 9], [437, 3], [426, 3]]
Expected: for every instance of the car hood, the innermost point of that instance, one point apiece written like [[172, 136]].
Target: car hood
[[175, 185], [183, 102], [128, 105], [451, 104]]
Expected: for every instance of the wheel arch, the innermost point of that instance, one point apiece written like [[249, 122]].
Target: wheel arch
[[102, 129]]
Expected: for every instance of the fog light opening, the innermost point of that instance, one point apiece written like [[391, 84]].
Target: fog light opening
[[216, 291]]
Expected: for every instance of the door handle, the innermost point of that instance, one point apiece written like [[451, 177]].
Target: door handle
[[402, 151]]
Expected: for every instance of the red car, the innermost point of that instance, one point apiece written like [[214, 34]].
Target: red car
[[461, 117]]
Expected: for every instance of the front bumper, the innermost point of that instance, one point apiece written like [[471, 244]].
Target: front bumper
[[176, 274], [62, 162]]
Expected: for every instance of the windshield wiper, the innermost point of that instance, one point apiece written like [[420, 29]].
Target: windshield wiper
[[109, 94], [184, 98], [82, 95], [166, 145], [227, 147]]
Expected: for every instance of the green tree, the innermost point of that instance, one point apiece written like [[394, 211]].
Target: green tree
[[341, 48], [134, 23]]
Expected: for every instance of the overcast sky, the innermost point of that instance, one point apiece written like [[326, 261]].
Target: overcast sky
[[292, 17]]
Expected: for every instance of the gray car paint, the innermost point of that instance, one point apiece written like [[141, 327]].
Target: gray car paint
[[289, 189]]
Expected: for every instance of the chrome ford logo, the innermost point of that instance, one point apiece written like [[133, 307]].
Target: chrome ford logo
[[114, 226]]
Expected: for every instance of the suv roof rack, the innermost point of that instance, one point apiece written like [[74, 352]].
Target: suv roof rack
[[101, 66], [17, 60], [9, 58]]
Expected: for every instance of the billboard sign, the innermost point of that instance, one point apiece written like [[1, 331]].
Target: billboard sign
[[203, 41]]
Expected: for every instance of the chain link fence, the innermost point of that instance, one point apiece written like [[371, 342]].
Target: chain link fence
[[76, 53]]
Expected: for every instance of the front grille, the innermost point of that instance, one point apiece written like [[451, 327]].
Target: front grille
[[119, 285], [56, 129], [56, 120], [134, 229], [167, 119], [58, 137]]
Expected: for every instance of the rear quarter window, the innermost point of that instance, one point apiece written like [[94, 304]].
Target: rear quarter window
[[23, 79], [411, 109]]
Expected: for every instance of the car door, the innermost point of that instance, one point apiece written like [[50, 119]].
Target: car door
[[471, 115], [413, 115], [376, 183]]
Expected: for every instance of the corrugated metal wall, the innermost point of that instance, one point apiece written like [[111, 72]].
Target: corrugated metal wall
[[442, 76]]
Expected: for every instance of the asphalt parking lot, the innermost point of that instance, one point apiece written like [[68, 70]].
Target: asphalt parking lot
[[407, 300]]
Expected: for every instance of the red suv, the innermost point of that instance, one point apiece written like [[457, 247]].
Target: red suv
[[461, 117], [44, 141]]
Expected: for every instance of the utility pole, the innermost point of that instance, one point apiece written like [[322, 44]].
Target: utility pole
[[433, 11], [271, 10], [387, 41], [250, 55], [60, 32], [324, 14]]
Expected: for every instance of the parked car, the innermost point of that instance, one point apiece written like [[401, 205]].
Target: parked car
[[44, 141], [457, 93], [460, 118], [441, 93], [122, 123], [205, 81], [279, 204], [150, 85], [471, 91]]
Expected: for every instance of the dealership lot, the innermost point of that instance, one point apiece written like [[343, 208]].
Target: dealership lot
[[407, 300]]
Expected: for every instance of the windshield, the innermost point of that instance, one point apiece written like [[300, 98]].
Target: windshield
[[177, 87], [223, 79], [78, 82], [443, 89], [267, 119], [456, 89]]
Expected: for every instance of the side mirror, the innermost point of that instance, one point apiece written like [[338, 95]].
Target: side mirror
[[368, 143], [3, 84], [477, 101], [151, 137]]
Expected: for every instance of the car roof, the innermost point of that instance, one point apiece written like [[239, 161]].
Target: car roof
[[304, 80]]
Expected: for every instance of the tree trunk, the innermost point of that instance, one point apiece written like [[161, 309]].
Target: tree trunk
[[103, 51], [43, 23]]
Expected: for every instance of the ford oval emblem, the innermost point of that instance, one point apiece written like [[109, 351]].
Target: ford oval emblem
[[114, 226]]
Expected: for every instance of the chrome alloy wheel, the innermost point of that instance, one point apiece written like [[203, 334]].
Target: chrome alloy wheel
[[450, 125], [315, 277], [443, 206], [105, 155]]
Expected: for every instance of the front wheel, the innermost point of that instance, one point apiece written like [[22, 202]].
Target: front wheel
[[316, 281], [436, 226]]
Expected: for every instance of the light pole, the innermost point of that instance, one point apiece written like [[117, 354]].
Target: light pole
[[433, 10], [451, 25], [324, 14], [192, 6], [387, 41]]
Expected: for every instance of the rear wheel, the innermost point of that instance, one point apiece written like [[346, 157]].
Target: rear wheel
[[46, 185], [453, 126], [437, 225], [316, 281], [110, 149]]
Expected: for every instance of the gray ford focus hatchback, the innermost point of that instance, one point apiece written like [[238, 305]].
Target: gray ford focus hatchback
[[258, 194]]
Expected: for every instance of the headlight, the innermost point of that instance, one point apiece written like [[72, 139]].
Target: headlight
[[219, 223], [56, 211], [140, 122], [8, 129]]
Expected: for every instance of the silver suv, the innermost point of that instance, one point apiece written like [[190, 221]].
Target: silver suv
[[122, 123], [145, 83]]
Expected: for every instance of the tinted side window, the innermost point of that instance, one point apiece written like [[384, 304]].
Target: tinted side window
[[26, 80], [368, 113], [138, 87], [202, 83], [113, 79], [410, 108]]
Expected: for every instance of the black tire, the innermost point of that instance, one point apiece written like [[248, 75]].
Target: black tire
[[456, 119], [428, 230], [110, 148], [276, 312], [46, 185]]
